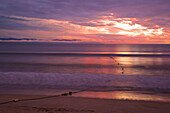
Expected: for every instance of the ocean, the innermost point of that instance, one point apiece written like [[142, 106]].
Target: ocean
[[113, 71]]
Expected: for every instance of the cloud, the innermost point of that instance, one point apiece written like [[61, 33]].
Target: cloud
[[19, 23], [64, 18], [79, 8], [18, 39], [12, 18], [108, 25], [66, 40], [80, 11]]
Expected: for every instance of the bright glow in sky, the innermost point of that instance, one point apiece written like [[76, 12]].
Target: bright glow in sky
[[126, 26], [98, 21]]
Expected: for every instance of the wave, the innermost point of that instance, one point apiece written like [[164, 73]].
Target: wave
[[97, 82]]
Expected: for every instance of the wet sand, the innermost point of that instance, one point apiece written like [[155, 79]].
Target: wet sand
[[68, 104]]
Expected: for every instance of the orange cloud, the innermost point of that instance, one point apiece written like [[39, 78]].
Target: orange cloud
[[116, 30]]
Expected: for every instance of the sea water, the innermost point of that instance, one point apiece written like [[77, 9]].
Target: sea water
[[114, 71]]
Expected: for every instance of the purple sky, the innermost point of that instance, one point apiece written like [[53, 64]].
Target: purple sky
[[89, 21]]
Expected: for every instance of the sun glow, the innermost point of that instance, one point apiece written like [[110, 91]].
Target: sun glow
[[105, 29], [123, 26], [127, 25], [104, 25]]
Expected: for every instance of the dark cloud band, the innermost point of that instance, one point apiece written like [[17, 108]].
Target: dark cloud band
[[66, 40], [12, 18], [27, 39]]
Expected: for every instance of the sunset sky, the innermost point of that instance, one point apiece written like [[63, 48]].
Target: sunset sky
[[86, 21]]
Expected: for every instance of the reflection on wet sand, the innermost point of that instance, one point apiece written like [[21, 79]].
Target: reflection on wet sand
[[129, 95]]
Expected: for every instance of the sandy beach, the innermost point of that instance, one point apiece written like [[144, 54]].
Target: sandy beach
[[68, 104]]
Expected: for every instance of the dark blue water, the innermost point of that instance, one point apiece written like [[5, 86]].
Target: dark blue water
[[85, 58], [57, 47], [76, 66]]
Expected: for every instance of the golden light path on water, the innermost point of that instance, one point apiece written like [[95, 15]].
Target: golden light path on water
[[127, 62]]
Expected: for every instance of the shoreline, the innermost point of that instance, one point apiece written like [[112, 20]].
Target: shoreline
[[69, 104], [92, 93]]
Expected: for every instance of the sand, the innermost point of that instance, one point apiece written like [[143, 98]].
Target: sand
[[69, 104]]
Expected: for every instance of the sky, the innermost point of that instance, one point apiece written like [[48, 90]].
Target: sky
[[85, 21]]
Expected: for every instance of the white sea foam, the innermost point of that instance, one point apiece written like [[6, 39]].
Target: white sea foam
[[32, 79]]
